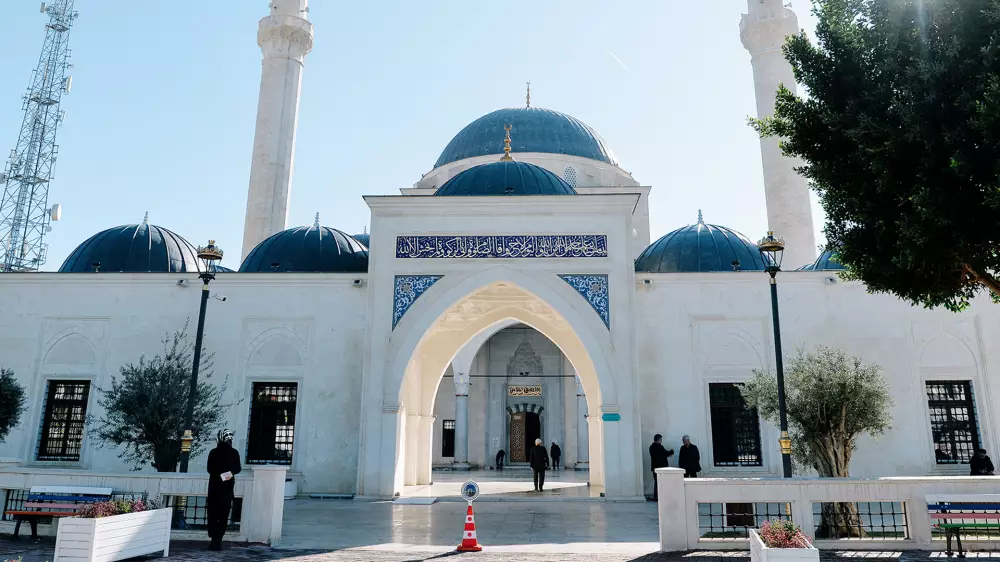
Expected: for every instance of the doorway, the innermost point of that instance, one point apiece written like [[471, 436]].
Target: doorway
[[525, 427], [532, 431]]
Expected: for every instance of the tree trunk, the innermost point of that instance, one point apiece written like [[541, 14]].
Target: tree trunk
[[166, 457], [838, 520], [986, 279]]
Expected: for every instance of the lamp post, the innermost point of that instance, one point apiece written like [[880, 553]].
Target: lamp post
[[208, 255], [771, 249]]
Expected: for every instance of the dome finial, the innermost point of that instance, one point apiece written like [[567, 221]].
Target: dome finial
[[316, 222], [366, 229], [506, 145], [700, 219], [145, 218], [527, 99]]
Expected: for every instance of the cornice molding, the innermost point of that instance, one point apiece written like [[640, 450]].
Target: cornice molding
[[535, 205], [281, 35]]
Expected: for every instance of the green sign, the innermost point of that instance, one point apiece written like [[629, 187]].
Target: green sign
[[611, 417]]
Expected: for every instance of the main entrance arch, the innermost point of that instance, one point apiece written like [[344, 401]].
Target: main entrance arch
[[405, 368]]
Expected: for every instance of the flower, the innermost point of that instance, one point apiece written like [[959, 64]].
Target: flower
[[782, 534], [113, 507]]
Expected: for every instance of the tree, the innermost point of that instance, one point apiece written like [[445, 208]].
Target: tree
[[11, 402], [831, 399], [900, 137], [143, 411]]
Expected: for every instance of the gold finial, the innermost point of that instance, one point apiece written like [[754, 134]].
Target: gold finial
[[527, 99], [506, 145]]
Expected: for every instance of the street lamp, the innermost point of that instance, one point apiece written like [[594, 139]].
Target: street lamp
[[771, 249], [208, 255]]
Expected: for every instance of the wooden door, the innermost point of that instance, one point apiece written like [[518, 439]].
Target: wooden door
[[517, 448]]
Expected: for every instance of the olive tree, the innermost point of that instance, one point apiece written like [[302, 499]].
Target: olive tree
[[11, 402]]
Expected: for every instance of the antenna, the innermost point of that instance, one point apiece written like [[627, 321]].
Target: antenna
[[24, 209]]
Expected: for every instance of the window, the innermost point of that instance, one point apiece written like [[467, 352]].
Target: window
[[62, 427], [448, 439], [569, 174], [953, 421], [735, 427], [272, 423]]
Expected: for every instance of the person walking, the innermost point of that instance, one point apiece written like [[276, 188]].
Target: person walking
[[223, 466], [689, 458], [980, 464], [500, 456], [539, 461], [556, 455], [659, 457]]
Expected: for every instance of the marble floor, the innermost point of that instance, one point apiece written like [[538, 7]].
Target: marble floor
[[514, 484]]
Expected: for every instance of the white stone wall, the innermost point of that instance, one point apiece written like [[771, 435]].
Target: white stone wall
[[589, 173]]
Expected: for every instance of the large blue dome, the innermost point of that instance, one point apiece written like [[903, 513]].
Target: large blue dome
[[700, 248], [133, 248], [532, 130], [827, 261], [313, 249], [506, 178]]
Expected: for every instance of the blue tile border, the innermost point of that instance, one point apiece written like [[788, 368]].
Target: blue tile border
[[407, 289], [594, 288], [502, 247]]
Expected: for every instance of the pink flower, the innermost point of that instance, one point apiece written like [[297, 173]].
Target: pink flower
[[782, 534]]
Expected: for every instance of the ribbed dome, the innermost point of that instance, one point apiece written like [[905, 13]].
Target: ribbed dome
[[363, 238], [134, 248], [314, 249], [827, 261], [700, 248], [533, 130], [506, 178]]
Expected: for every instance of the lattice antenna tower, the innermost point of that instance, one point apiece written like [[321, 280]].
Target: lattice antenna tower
[[24, 210]]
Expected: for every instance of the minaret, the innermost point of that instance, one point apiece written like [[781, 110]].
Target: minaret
[[285, 37], [763, 31]]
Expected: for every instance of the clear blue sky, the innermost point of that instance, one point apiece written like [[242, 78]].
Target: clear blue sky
[[161, 117]]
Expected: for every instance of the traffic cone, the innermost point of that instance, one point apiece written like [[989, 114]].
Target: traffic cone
[[469, 542]]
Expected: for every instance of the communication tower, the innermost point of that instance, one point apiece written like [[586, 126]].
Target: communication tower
[[24, 210]]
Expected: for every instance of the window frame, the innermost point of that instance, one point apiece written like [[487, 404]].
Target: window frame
[[760, 463], [444, 440], [47, 407], [973, 412], [251, 458]]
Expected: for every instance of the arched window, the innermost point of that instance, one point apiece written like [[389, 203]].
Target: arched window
[[569, 174]]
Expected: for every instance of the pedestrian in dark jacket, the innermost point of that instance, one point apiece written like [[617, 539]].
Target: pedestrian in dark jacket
[[981, 465], [689, 458], [539, 461], [659, 457], [223, 466], [556, 455], [500, 456]]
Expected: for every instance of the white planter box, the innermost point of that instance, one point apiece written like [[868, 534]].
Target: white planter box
[[761, 553], [113, 538]]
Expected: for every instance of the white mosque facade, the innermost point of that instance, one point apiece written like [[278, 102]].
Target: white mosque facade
[[512, 293]]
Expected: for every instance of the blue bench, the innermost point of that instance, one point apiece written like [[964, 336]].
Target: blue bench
[[956, 512], [54, 501]]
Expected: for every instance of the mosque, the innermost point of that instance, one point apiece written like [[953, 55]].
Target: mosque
[[512, 293]]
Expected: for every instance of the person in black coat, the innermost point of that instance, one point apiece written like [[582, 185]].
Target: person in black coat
[[500, 456], [659, 457], [539, 461], [223, 466], [689, 458], [981, 465], [556, 453]]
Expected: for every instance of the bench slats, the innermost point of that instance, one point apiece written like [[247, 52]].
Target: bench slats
[[965, 515], [82, 499], [968, 525], [44, 513], [71, 490], [965, 506], [44, 505]]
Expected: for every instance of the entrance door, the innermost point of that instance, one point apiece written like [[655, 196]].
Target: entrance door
[[532, 431], [517, 442]]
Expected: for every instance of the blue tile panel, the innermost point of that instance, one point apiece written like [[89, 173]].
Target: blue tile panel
[[504, 179], [503, 247], [407, 290], [700, 248], [311, 249], [594, 288], [134, 248]]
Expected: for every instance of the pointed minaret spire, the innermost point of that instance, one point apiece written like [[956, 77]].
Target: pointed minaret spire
[[527, 99], [316, 222], [506, 145], [366, 229], [145, 218], [701, 220]]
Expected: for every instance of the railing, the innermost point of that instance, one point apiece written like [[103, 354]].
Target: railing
[[839, 513]]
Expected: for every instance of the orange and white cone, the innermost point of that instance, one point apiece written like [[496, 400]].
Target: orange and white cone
[[469, 542]]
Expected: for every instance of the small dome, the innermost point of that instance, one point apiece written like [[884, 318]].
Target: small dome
[[134, 248], [216, 268], [363, 238], [535, 130], [313, 249], [506, 178], [700, 248], [827, 261]]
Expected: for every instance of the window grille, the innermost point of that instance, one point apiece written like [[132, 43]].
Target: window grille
[[569, 174], [953, 421], [272, 423], [448, 439], [733, 520], [196, 513], [735, 427], [62, 424], [860, 520]]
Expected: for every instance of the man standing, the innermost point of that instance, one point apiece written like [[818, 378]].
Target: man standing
[[556, 455], [500, 456], [223, 466], [981, 465], [659, 457], [689, 458], [539, 460]]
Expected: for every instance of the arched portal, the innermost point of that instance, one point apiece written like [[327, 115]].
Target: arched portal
[[402, 378]]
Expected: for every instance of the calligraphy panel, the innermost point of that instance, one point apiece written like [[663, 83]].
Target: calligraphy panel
[[535, 390], [503, 247]]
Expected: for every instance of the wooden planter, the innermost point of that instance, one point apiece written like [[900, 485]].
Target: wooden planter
[[761, 553], [113, 538]]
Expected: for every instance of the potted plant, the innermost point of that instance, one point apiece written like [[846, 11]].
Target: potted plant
[[114, 530], [781, 541]]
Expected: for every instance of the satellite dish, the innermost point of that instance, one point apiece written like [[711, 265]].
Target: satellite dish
[[55, 213]]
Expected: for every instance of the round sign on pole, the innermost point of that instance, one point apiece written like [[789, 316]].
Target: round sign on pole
[[470, 491]]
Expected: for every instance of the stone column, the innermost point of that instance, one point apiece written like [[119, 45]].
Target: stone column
[[461, 421], [285, 37], [582, 433]]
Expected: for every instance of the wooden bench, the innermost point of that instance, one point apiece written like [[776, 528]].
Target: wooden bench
[[955, 512], [55, 501]]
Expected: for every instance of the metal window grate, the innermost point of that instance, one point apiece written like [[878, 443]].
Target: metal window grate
[[271, 434], [62, 425], [733, 520], [448, 439], [860, 520], [196, 513], [953, 421], [735, 427]]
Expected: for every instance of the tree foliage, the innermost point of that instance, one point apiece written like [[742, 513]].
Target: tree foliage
[[143, 410], [11, 402], [900, 136]]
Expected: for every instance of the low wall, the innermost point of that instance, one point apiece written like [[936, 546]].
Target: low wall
[[690, 509], [262, 490]]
